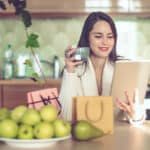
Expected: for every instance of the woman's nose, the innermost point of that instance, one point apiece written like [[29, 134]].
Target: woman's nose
[[104, 40]]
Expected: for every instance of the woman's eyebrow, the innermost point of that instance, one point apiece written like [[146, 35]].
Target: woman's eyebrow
[[99, 33], [110, 34]]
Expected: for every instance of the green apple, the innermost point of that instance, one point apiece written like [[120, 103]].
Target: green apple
[[43, 130], [8, 128], [4, 113], [61, 128], [25, 132], [48, 113], [31, 117], [17, 113]]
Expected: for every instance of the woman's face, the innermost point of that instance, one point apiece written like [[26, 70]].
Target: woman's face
[[101, 39]]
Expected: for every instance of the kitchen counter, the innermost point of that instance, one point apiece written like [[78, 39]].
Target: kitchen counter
[[125, 137]]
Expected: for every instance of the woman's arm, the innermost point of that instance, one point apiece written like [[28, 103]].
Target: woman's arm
[[71, 84], [70, 87]]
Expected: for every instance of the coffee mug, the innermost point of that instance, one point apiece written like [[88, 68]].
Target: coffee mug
[[81, 53]]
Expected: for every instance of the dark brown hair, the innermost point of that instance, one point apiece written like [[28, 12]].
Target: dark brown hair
[[88, 26]]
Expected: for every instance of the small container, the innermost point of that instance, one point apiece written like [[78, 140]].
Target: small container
[[56, 67], [8, 63], [140, 112], [8, 71]]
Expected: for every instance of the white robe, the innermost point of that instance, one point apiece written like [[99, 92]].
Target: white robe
[[72, 86]]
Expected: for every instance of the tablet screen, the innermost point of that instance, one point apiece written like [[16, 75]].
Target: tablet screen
[[128, 76]]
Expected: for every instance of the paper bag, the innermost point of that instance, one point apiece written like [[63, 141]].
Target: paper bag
[[96, 109], [36, 99]]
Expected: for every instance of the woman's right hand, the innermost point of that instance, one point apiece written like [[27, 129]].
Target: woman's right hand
[[70, 61]]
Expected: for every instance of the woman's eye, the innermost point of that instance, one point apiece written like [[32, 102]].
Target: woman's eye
[[97, 36], [110, 37]]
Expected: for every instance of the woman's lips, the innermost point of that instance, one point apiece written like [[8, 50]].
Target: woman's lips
[[104, 49]]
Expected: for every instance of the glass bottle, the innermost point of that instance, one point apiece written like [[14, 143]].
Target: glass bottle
[[56, 67], [8, 63]]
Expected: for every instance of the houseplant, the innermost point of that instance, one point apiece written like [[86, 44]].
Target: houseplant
[[21, 11]]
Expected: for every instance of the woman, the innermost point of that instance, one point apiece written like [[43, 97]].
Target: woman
[[94, 77]]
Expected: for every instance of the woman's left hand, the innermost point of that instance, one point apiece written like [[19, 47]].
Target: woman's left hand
[[135, 111], [127, 107]]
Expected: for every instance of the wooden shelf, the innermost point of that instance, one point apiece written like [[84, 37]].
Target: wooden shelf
[[71, 8], [28, 82]]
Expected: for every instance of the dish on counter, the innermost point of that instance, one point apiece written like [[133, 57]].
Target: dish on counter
[[34, 143]]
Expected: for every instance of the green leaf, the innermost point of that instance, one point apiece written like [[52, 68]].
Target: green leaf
[[32, 41], [35, 75], [28, 62]]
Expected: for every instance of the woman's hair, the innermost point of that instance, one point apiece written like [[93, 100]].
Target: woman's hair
[[88, 26]]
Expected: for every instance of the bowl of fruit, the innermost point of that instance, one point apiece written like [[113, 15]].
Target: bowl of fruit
[[27, 127]]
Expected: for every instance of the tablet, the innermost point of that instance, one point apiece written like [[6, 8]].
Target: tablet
[[128, 76]]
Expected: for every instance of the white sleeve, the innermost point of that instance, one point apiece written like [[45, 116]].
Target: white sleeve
[[69, 88]]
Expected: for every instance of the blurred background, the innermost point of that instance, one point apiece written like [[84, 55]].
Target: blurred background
[[59, 24]]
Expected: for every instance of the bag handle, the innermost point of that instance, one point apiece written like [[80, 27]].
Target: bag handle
[[100, 114]]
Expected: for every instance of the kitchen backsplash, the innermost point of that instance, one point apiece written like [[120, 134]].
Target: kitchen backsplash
[[55, 34]]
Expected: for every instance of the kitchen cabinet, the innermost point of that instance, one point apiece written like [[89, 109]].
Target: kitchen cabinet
[[86, 6], [14, 92], [120, 7], [77, 6], [51, 8], [107, 5], [140, 6], [57, 5], [64, 8]]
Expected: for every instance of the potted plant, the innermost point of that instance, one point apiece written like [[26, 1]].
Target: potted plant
[[32, 38]]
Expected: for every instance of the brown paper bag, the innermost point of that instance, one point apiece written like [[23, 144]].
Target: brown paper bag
[[96, 109]]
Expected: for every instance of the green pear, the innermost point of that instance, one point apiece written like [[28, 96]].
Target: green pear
[[17, 112], [48, 113], [83, 130], [62, 128], [8, 128], [31, 117], [4, 113], [43, 130], [25, 132]]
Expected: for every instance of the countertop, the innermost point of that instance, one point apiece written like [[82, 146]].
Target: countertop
[[125, 137]]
